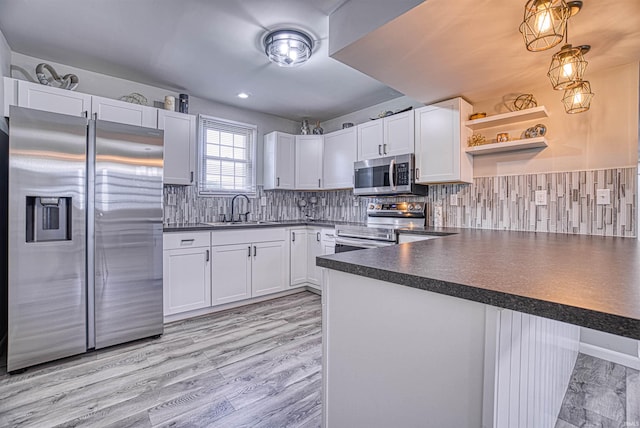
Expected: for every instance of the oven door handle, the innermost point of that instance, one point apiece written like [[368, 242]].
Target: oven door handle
[[364, 243], [392, 167]]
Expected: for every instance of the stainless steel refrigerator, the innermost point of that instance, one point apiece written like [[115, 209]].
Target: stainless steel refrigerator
[[85, 235]]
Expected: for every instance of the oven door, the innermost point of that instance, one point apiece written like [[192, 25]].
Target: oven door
[[344, 244]]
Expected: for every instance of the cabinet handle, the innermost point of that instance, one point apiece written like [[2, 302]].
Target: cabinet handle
[[384, 149], [85, 113], [318, 236], [417, 174], [318, 183], [191, 176], [380, 149], [186, 241], [255, 253], [293, 237], [207, 259], [249, 254], [278, 182]]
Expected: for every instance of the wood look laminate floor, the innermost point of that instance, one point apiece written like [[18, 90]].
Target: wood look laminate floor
[[255, 366]]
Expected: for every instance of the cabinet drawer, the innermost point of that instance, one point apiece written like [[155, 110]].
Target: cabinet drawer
[[177, 240], [230, 237]]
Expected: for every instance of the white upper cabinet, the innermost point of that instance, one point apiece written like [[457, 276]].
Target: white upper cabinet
[[370, 139], [42, 97], [279, 161], [308, 164], [440, 141], [179, 146], [123, 112], [340, 152], [390, 136]]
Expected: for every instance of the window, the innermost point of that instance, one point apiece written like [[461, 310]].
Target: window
[[227, 157]]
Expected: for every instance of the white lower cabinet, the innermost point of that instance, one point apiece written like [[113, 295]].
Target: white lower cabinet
[[305, 244], [314, 249], [186, 272], [298, 251], [248, 263], [231, 268]]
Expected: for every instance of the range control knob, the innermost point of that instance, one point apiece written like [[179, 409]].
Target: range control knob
[[378, 207], [371, 206], [418, 207], [411, 207]]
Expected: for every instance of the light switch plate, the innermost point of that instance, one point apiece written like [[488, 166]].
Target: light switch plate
[[603, 196], [263, 201], [171, 200], [453, 200], [541, 197]]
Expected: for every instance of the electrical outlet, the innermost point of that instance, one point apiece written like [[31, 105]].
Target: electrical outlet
[[603, 196], [437, 217], [453, 200], [356, 202], [323, 202], [541, 197], [263, 201], [171, 200]]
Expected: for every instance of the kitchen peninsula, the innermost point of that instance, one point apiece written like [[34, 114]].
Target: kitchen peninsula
[[414, 334]]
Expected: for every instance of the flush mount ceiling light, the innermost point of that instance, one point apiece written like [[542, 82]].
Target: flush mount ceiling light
[[288, 48], [578, 98], [243, 95], [568, 66], [545, 22]]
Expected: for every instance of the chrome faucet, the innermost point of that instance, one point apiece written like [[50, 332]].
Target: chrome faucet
[[240, 215]]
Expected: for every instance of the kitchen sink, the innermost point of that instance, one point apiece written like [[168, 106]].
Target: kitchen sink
[[241, 223]]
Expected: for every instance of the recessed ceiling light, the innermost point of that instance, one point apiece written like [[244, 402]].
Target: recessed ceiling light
[[243, 95]]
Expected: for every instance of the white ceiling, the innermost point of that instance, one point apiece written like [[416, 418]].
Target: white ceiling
[[207, 48], [212, 48]]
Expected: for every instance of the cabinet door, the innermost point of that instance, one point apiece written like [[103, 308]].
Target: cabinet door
[[438, 144], [230, 273], [123, 112], [308, 165], [55, 100], [340, 152], [370, 139], [179, 146], [314, 249], [298, 252], [279, 161], [269, 268], [399, 134], [187, 280]]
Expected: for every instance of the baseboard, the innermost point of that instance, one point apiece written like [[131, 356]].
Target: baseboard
[[213, 309], [609, 355]]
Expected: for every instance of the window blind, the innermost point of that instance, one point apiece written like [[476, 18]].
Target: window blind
[[227, 157]]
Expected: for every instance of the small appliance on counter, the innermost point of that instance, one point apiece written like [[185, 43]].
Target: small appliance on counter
[[85, 235], [389, 176], [382, 221]]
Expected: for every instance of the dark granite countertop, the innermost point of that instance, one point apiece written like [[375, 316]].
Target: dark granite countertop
[[194, 227], [589, 281]]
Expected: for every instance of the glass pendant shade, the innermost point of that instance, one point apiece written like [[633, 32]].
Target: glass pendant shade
[[288, 48], [578, 98], [567, 67], [544, 23]]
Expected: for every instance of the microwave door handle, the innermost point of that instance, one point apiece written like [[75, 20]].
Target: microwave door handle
[[392, 167]]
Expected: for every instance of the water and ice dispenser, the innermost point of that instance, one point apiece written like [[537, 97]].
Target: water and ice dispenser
[[48, 218]]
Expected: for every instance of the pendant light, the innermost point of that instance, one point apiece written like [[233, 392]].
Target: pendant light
[[288, 48], [578, 98], [544, 23], [568, 66]]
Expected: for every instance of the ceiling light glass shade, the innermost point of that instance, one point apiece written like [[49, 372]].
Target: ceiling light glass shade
[[567, 67], [544, 23], [288, 48], [578, 98]]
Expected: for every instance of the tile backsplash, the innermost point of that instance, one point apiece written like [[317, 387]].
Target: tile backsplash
[[503, 203]]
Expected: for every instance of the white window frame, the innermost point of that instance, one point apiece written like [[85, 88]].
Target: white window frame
[[252, 134]]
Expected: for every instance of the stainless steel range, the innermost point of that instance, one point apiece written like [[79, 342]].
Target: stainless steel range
[[382, 221]]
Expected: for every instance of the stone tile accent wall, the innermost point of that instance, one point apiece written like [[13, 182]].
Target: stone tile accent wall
[[502, 203]]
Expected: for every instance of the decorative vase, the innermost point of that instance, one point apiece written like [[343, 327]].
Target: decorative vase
[[304, 129], [183, 103], [318, 130]]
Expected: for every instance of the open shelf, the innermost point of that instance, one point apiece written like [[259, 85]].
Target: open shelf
[[508, 118], [509, 146]]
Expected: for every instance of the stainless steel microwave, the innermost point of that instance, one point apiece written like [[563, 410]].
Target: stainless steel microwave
[[393, 175]]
